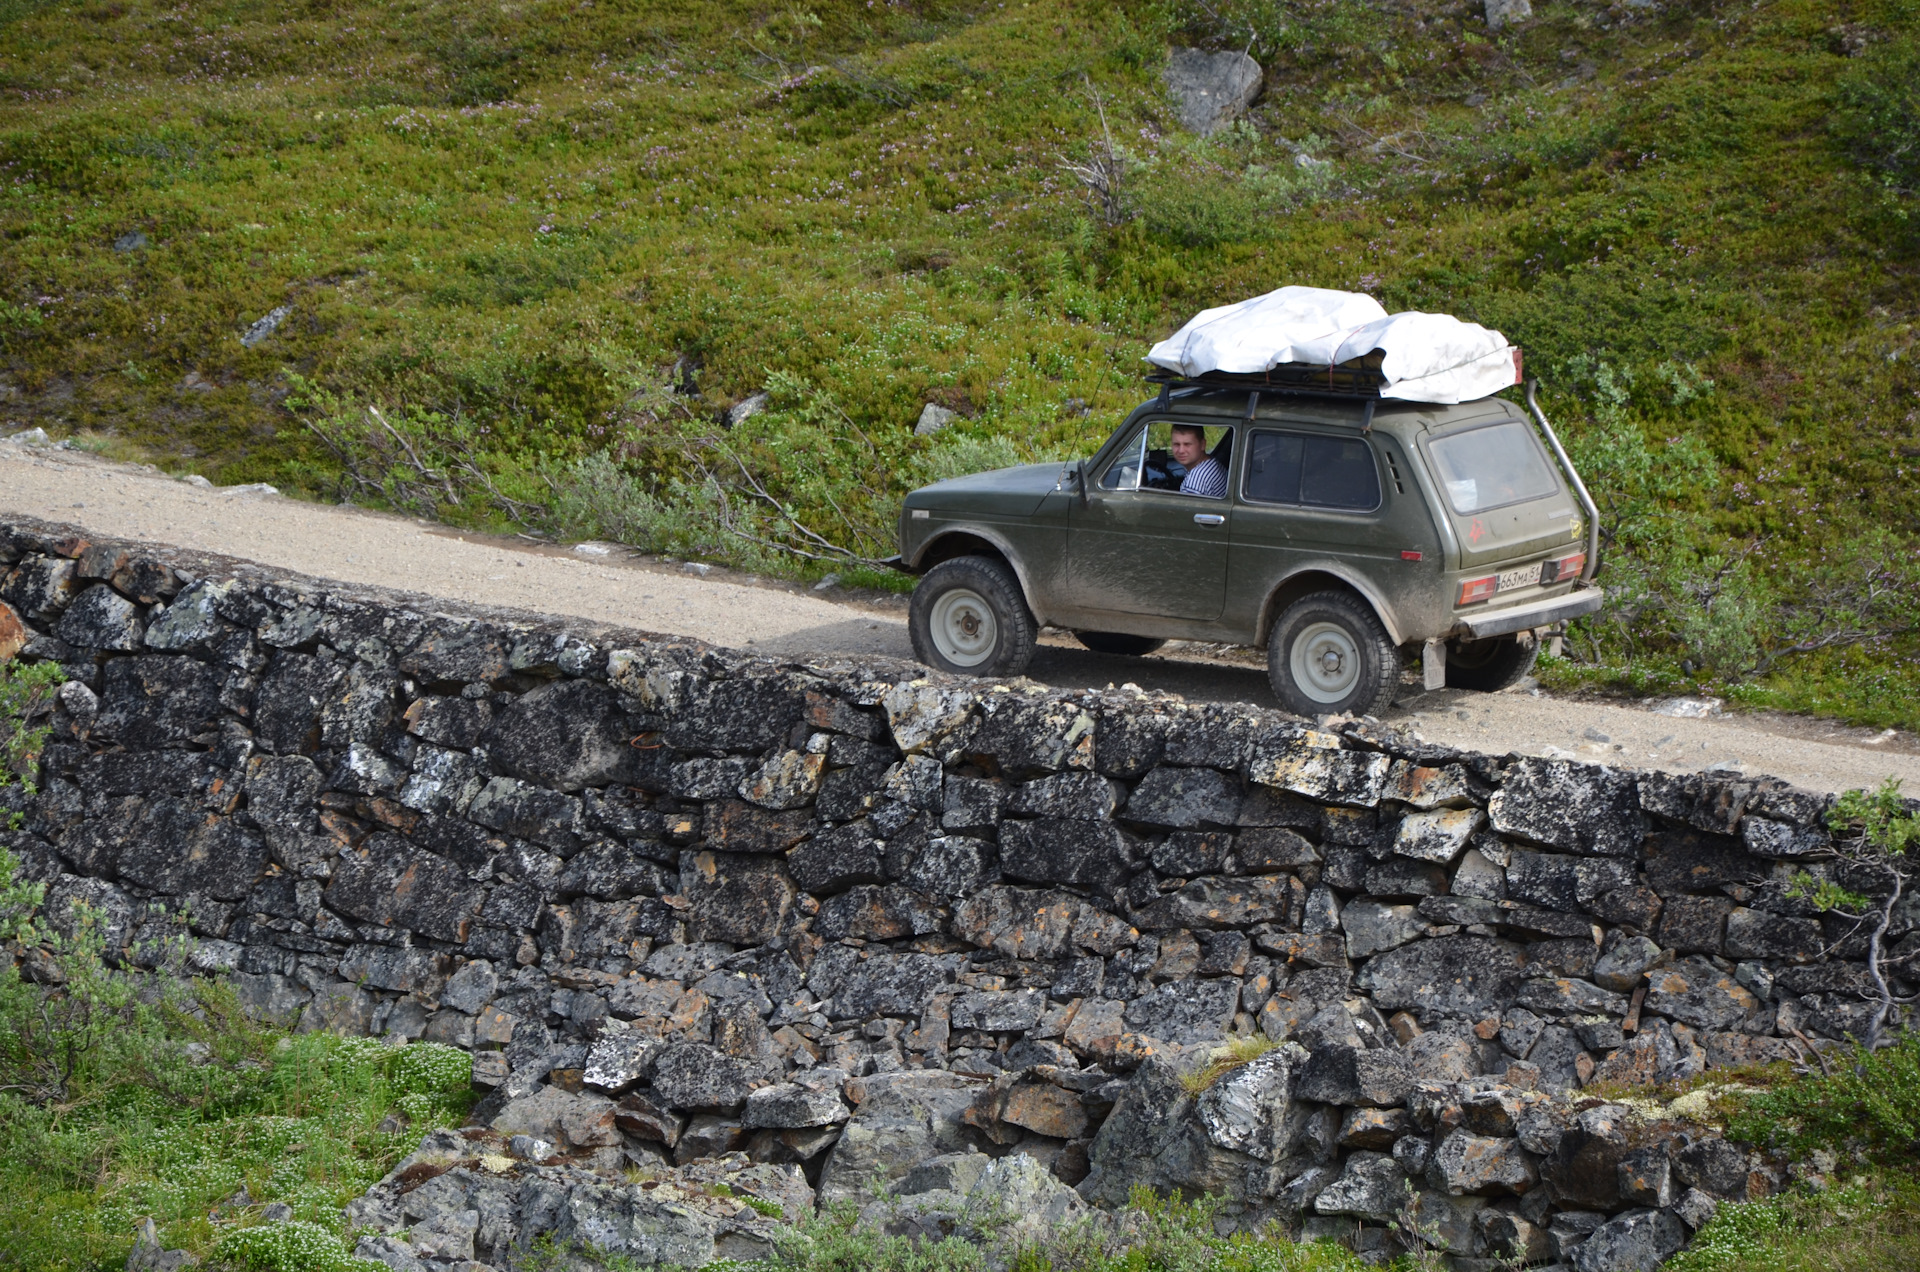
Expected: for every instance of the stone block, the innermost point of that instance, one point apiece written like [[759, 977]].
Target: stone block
[[1352, 778], [1758, 934], [1218, 902], [1636, 1241], [1439, 836], [1451, 976], [1185, 1012], [1697, 993], [1185, 799], [1085, 854], [1337, 1074], [736, 899], [1582, 808], [1694, 924]]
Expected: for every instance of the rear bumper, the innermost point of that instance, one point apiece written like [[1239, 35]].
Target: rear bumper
[[1521, 618]]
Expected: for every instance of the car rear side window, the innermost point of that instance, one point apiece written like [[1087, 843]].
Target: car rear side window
[[1490, 467], [1320, 472]]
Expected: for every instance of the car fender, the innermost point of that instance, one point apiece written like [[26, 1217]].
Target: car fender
[[999, 544], [1396, 631]]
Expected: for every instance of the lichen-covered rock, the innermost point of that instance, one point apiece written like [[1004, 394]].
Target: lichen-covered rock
[[566, 735], [1695, 992], [1372, 1187], [695, 1076], [1372, 926], [1580, 807], [998, 1011], [387, 881], [1458, 976], [1339, 1074], [1085, 854], [791, 1105], [150, 703], [1354, 778], [1468, 1163], [914, 1117], [1184, 799], [1185, 1012], [1219, 902], [100, 618], [1758, 934], [1637, 1241], [1084, 796], [1438, 836], [740, 900]]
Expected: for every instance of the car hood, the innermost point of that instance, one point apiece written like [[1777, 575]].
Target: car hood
[[1016, 490]]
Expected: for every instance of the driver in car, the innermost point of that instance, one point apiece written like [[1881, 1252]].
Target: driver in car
[[1205, 475]]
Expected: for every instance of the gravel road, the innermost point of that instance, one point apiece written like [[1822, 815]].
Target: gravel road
[[611, 586]]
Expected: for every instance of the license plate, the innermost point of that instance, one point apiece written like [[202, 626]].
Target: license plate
[[1526, 576]]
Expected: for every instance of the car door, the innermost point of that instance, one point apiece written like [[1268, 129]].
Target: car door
[[1141, 546], [1311, 497]]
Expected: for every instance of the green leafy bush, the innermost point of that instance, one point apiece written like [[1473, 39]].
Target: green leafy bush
[[1878, 107], [288, 1247], [1868, 1100]]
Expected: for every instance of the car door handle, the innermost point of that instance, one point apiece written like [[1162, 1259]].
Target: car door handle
[[1208, 519]]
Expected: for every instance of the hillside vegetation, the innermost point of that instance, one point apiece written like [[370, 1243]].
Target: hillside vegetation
[[524, 256]]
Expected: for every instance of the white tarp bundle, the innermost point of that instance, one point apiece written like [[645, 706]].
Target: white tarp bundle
[[1425, 357]]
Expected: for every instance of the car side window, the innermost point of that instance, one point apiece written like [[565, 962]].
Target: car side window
[[1318, 472]]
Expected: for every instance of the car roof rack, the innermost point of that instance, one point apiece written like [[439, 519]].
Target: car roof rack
[[1359, 379]]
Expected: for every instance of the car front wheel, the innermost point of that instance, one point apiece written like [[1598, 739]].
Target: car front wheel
[[1118, 643], [1329, 655], [1490, 665], [968, 616]]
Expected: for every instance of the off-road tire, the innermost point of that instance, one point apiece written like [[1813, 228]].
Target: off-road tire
[[1118, 643], [1364, 673], [984, 593], [1490, 665]]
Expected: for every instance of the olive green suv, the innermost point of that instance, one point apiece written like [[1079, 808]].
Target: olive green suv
[[1345, 535]]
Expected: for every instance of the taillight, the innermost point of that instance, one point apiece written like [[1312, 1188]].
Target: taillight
[[1474, 591], [1565, 568]]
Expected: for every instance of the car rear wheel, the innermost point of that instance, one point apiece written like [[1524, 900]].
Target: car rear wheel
[[1118, 643], [1490, 665], [1329, 655], [969, 617]]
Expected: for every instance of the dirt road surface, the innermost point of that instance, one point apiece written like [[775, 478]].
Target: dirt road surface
[[611, 586]]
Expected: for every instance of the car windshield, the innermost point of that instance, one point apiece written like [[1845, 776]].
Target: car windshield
[[1488, 467]]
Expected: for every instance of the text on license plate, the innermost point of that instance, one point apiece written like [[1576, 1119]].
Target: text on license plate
[[1526, 576]]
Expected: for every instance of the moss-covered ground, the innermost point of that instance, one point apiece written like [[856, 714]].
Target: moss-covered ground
[[529, 253]]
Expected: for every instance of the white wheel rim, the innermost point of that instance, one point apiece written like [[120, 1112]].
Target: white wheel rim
[[1325, 661], [963, 627]]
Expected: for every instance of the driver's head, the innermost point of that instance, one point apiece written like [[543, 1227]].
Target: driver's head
[[1188, 445]]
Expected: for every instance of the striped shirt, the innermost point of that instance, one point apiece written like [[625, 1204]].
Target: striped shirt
[[1208, 477]]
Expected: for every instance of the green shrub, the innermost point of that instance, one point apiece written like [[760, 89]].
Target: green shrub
[[1869, 1100], [1878, 108], [288, 1247]]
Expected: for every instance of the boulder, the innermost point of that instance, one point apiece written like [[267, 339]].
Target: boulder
[[790, 1106], [1340, 1074], [911, 1119], [1468, 1163], [1583, 808], [1372, 1187], [1185, 1012], [1449, 976], [693, 1075], [1184, 799], [1636, 1241]]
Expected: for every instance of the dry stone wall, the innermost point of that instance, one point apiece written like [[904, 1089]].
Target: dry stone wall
[[850, 932]]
